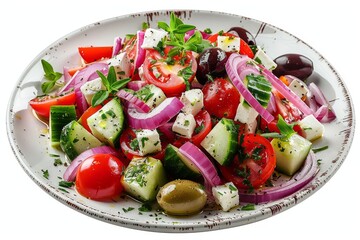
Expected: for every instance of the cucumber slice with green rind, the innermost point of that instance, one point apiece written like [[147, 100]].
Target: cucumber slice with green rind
[[60, 115]]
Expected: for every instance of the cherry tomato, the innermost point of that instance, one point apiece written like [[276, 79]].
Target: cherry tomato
[[221, 98], [98, 177], [286, 109], [271, 127], [131, 52], [203, 127], [166, 76], [42, 104], [255, 164], [93, 54], [244, 47]]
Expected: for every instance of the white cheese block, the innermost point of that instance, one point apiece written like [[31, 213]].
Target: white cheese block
[[228, 44], [152, 38], [227, 196], [193, 101], [184, 125], [264, 59], [122, 65], [312, 128], [149, 141], [245, 113], [89, 89], [299, 88]]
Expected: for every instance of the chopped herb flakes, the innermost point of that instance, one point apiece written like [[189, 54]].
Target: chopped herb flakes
[[315, 150], [45, 173], [66, 184], [248, 207], [145, 208], [128, 209]]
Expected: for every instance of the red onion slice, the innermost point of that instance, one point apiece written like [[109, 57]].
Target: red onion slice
[[140, 54], [136, 85], [70, 172], [131, 98], [117, 46], [203, 163], [321, 99], [157, 117], [298, 181], [234, 62]]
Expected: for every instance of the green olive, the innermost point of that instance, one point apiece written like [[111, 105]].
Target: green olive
[[182, 197]]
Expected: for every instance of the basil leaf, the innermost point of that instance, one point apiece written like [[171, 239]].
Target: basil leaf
[[173, 21], [183, 28], [164, 26], [46, 87], [48, 69], [196, 38], [117, 85], [111, 77], [99, 98], [104, 80]]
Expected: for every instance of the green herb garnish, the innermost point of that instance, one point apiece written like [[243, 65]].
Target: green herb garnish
[[186, 74], [45, 173], [128, 209], [66, 184], [248, 207], [315, 150], [146, 207], [111, 84], [50, 75]]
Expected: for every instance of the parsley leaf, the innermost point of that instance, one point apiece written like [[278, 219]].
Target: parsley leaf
[[50, 75]]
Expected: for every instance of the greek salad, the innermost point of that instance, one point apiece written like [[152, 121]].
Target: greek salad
[[184, 117]]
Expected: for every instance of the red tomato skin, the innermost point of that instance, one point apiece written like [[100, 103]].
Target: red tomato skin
[[98, 177], [169, 80], [93, 54], [260, 170], [221, 98], [41, 105]]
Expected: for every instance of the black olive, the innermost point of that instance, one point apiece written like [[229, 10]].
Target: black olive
[[211, 63], [243, 34], [293, 64]]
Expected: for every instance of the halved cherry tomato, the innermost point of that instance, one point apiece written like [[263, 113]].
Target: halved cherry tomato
[[286, 109], [99, 177], [255, 164], [88, 113], [42, 104], [221, 98], [131, 52], [203, 127], [167, 76], [244, 47], [93, 54], [271, 127]]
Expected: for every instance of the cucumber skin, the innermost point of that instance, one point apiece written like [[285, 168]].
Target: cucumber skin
[[67, 143], [178, 169], [60, 115], [232, 145]]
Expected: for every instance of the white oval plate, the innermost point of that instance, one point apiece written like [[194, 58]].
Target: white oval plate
[[29, 138]]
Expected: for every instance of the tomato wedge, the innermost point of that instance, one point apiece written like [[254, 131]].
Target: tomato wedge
[[88, 113], [93, 54], [244, 47], [168, 76], [254, 165], [42, 104], [203, 127]]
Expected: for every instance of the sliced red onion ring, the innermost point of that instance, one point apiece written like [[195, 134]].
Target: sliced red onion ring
[[286, 92], [70, 172], [140, 54], [136, 85], [166, 129], [203, 163], [69, 84], [272, 104], [298, 181], [117, 46], [66, 74], [191, 32], [131, 98], [157, 117], [234, 62], [321, 99]]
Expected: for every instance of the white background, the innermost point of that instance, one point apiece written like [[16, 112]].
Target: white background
[[28, 27]]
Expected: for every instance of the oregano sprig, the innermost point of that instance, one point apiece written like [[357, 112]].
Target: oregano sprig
[[111, 84], [50, 75]]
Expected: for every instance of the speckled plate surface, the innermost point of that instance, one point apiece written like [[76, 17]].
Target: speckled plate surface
[[29, 138]]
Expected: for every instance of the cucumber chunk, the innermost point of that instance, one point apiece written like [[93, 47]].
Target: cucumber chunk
[[179, 166], [75, 139], [143, 178], [107, 123], [290, 154], [60, 115], [221, 142]]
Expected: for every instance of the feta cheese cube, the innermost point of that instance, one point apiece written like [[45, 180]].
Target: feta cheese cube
[[89, 89], [264, 59], [245, 113], [184, 125], [299, 88], [151, 95], [121, 64], [311, 127], [229, 44], [193, 100], [152, 38], [227, 196], [149, 141]]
